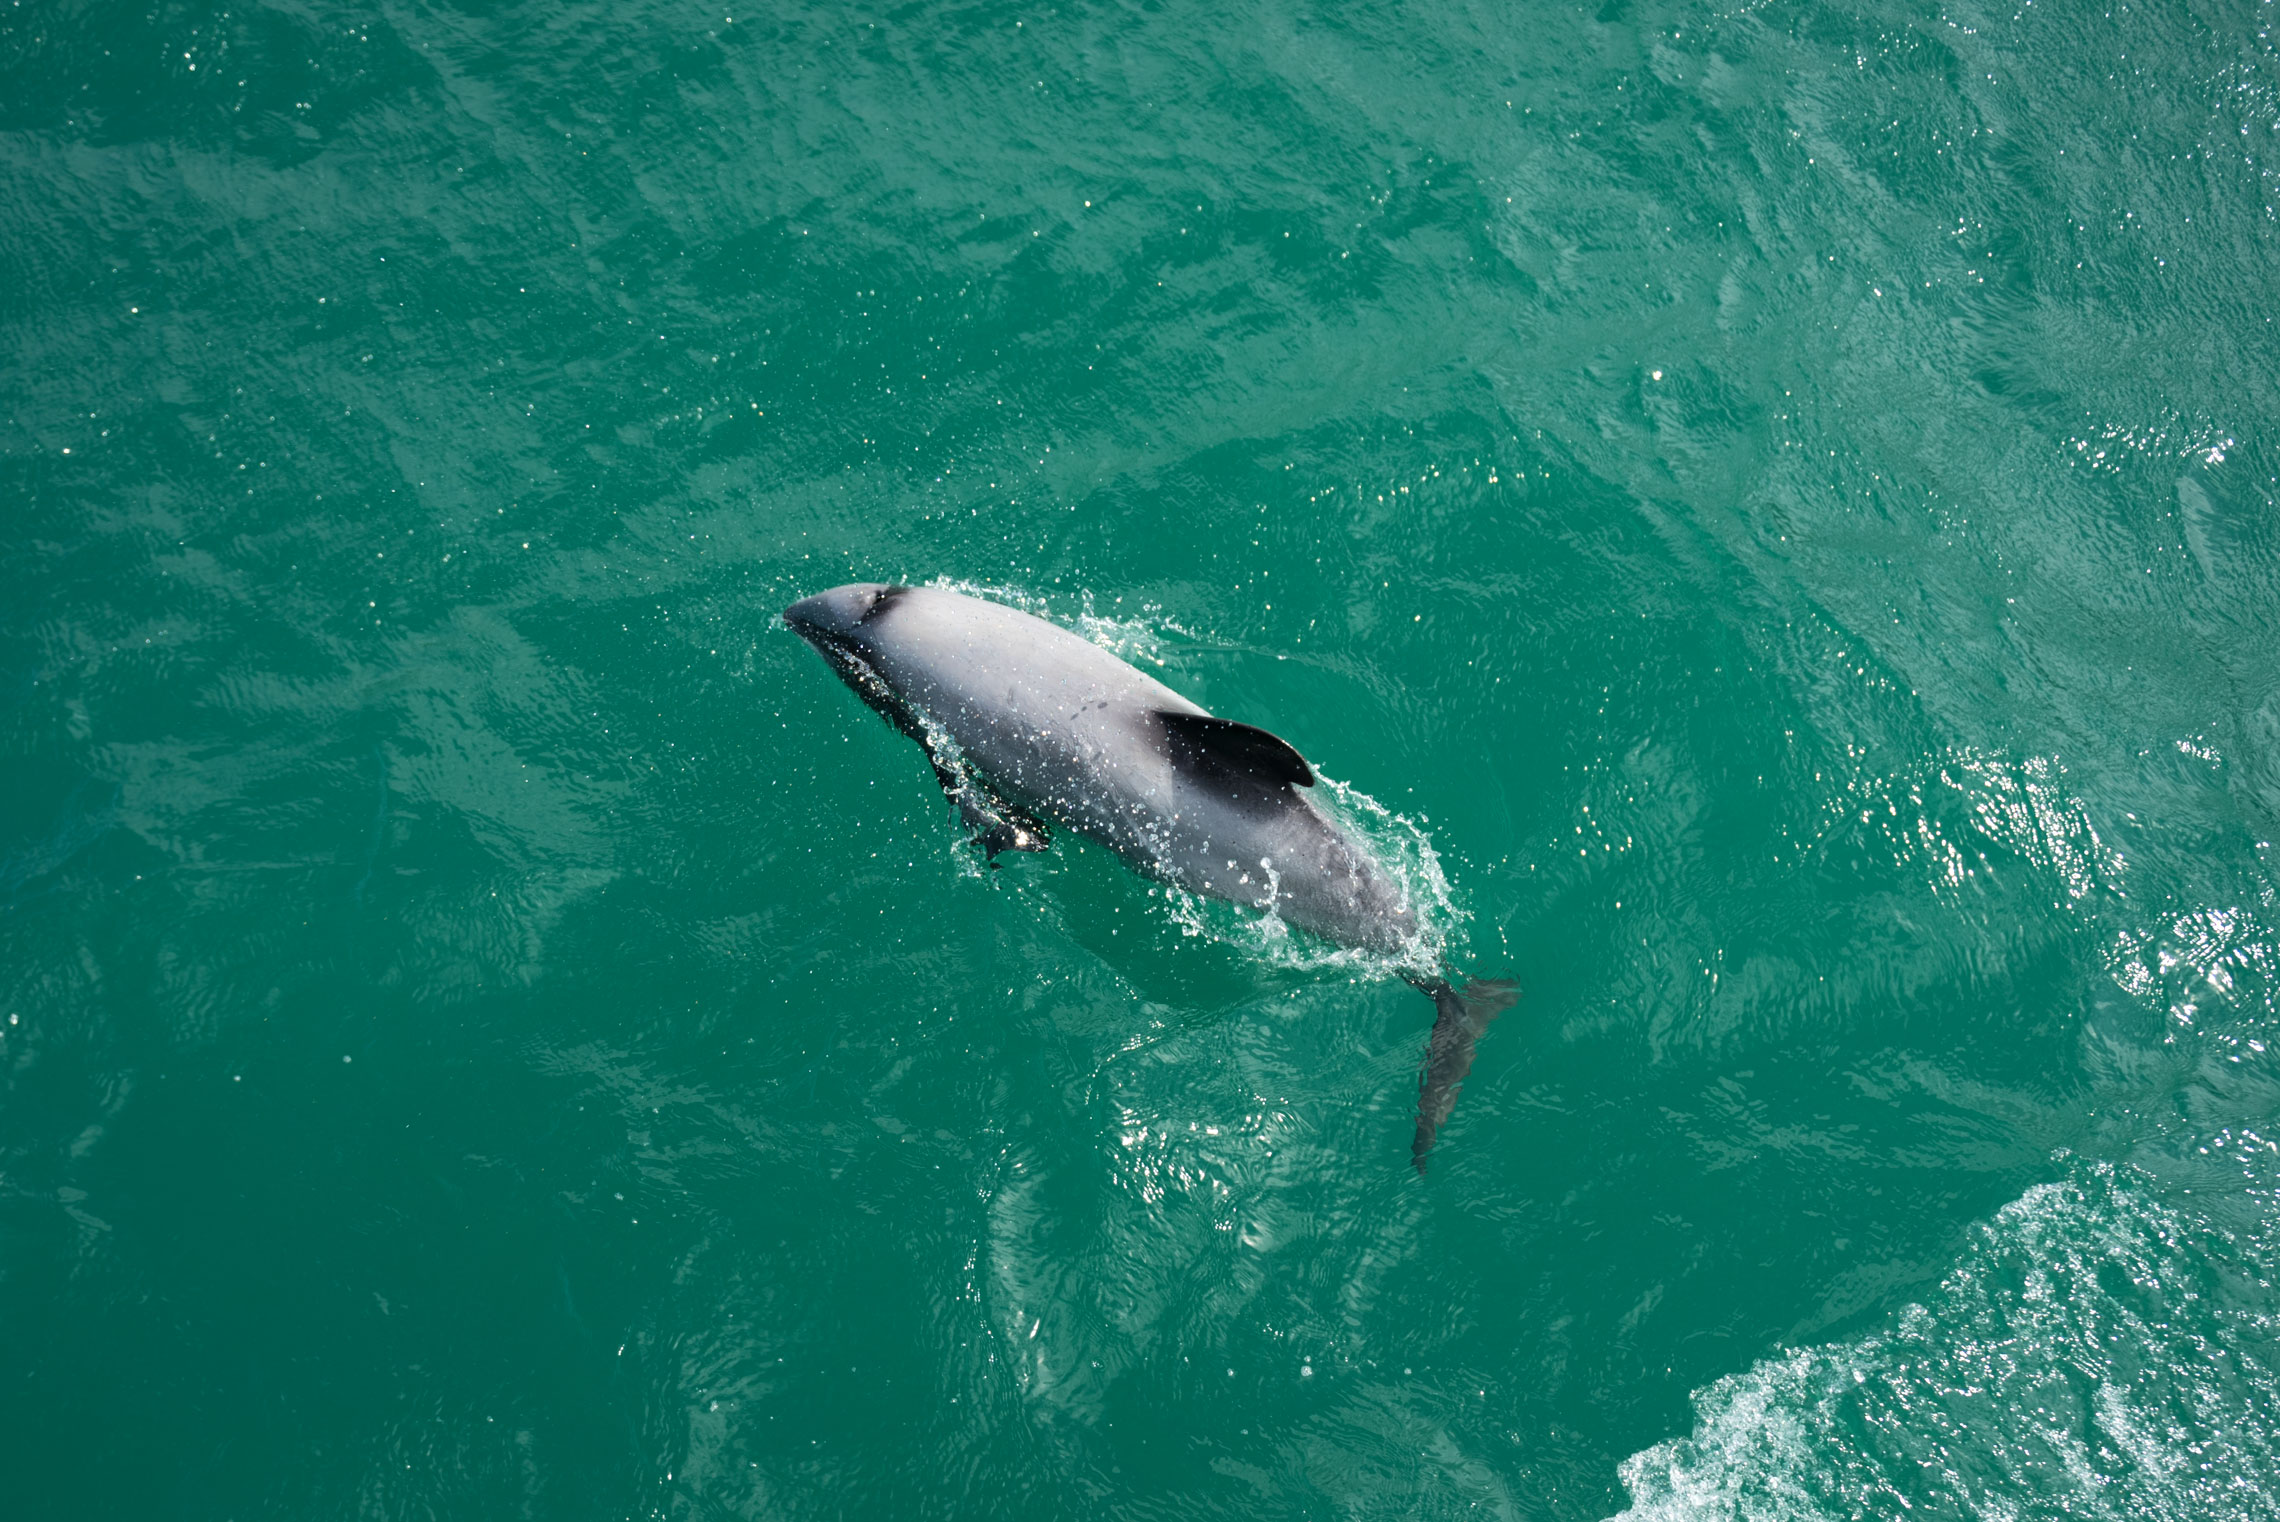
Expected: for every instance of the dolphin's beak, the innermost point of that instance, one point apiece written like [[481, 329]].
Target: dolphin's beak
[[819, 622], [835, 618], [806, 618]]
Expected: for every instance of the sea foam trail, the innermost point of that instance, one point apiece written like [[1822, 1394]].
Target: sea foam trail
[[2098, 1352]]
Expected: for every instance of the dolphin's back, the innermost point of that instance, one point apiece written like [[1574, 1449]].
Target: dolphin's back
[[1071, 730], [1048, 715]]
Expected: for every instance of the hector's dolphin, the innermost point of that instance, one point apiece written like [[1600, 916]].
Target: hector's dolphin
[[1028, 724]]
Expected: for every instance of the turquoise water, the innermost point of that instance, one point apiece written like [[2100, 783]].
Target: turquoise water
[[1766, 514]]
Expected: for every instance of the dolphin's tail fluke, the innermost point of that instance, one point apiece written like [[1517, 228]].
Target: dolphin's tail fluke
[[1461, 1015]]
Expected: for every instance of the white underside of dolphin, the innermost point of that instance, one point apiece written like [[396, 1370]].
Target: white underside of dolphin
[[1029, 725]]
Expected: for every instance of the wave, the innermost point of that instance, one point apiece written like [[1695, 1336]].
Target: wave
[[2100, 1351]]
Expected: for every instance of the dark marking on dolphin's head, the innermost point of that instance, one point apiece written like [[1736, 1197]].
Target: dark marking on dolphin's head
[[841, 625], [839, 615]]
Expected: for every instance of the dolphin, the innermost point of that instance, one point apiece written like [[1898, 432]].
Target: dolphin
[[1029, 726]]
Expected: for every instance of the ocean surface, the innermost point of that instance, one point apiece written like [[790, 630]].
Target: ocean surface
[[1765, 514]]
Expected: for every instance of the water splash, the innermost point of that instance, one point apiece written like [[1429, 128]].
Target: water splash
[[1133, 636], [1400, 848]]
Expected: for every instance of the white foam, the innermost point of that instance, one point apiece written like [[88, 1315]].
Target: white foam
[[1402, 851], [2098, 1352]]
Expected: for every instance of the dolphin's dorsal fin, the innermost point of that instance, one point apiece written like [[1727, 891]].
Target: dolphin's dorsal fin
[[1199, 742]]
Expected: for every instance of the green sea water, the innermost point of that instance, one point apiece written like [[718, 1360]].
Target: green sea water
[[1765, 513]]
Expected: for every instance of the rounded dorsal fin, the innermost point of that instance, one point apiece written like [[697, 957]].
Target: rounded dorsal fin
[[1200, 743]]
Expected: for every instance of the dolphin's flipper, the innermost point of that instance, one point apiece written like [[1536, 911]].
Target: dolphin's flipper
[[999, 826], [995, 824], [1460, 1018]]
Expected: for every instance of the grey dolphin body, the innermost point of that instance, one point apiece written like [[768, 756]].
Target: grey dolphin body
[[1028, 724]]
